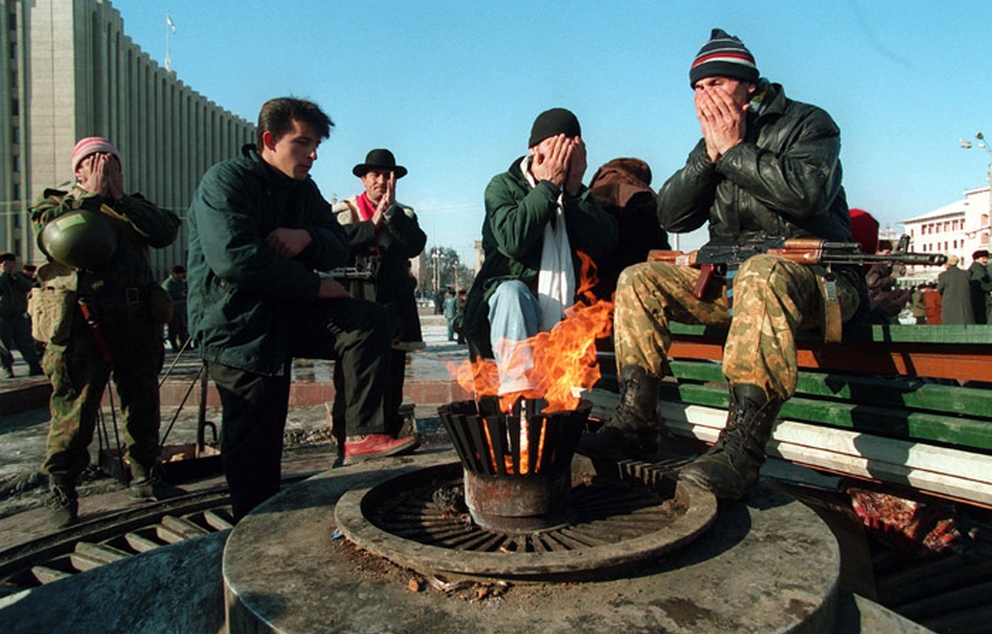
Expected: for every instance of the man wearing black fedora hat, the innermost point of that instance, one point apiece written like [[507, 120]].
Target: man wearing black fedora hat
[[383, 235], [981, 287]]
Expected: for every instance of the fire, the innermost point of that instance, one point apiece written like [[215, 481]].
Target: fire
[[563, 358]]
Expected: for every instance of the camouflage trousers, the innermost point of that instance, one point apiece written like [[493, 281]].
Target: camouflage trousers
[[773, 298], [79, 375]]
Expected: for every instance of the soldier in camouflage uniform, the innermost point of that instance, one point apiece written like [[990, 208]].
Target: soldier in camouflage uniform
[[766, 167], [99, 309]]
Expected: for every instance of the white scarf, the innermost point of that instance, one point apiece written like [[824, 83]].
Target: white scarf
[[556, 279]]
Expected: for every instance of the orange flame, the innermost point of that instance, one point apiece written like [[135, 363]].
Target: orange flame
[[563, 358]]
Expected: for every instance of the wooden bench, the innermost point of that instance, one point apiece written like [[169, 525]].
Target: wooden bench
[[889, 408]]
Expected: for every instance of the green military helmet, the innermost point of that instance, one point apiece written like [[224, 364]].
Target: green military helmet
[[80, 238]]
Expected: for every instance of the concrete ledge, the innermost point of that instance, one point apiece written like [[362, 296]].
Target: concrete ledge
[[421, 392], [175, 588], [23, 394]]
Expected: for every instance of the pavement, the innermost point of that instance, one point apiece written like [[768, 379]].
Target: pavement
[[309, 448]]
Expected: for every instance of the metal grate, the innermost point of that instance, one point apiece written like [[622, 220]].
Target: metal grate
[[600, 513]]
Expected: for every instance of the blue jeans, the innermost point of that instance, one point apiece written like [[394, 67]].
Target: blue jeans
[[514, 315]]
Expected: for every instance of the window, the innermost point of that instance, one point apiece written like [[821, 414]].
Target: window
[[16, 162], [15, 193], [15, 108]]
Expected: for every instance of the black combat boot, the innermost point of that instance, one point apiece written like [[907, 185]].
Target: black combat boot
[[147, 486], [634, 431], [731, 466], [63, 502]]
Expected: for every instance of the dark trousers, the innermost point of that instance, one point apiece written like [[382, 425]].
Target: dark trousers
[[15, 332], [79, 375], [356, 333], [345, 425]]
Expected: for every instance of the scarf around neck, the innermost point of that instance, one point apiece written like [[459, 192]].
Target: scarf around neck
[[556, 279]]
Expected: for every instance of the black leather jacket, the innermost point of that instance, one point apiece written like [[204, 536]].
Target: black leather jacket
[[784, 180]]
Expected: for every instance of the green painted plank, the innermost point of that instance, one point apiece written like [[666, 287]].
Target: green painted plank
[[968, 433], [973, 334], [866, 389]]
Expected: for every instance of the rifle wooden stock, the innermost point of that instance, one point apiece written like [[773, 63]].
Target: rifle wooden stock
[[673, 257]]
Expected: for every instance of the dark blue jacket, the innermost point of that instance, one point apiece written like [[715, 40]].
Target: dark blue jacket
[[242, 293]]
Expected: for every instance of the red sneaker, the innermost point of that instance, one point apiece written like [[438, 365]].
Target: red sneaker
[[379, 446]]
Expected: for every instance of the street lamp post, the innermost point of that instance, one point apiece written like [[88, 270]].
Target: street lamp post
[[981, 144], [436, 257]]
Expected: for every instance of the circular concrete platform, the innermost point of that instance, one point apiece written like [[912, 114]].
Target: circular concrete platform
[[766, 565], [608, 528]]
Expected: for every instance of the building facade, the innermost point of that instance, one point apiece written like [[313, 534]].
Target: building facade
[[72, 72], [960, 228]]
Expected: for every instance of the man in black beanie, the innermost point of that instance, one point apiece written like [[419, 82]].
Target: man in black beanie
[[538, 215], [766, 167]]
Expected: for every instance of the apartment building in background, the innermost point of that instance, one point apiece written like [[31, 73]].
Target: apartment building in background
[[70, 71], [960, 228]]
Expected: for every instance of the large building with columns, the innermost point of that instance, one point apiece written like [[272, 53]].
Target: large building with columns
[[70, 71]]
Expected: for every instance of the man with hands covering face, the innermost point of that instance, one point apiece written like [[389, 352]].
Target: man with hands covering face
[[765, 167], [99, 313], [538, 216], [383, 235]]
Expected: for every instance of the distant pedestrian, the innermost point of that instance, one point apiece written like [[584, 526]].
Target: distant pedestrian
[[461, 300], [934, 303], [981, 287], [450, 308], [918, 304], [15, 325], [175, 286], [954, 286]]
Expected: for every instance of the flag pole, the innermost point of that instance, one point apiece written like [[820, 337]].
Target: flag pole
[[170, 28]]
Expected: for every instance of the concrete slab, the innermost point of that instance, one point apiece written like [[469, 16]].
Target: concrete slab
[[175, 588], [767, 565]]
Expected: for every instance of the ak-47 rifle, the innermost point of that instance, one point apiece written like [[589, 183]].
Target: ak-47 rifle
[[718, 258]]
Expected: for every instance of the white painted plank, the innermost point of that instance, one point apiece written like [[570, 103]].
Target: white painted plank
[[929, 468]]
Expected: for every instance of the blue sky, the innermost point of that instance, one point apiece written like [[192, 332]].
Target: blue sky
[[452, 87]]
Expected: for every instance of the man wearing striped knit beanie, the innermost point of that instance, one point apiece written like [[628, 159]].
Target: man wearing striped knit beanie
[[766, 167]]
